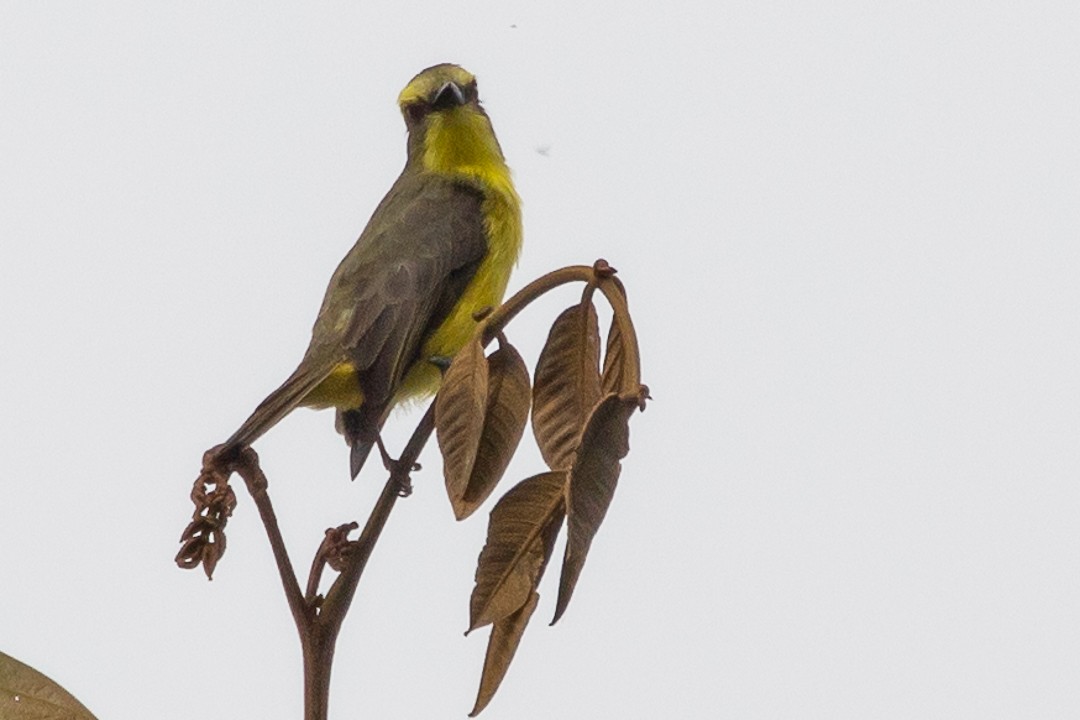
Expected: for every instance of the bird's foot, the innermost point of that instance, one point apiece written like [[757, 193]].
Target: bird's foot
[[441, 361], [400, 474]]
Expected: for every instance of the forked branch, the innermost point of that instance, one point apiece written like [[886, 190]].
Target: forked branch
[[578, 488]]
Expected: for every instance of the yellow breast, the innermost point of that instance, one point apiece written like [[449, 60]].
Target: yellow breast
[[462, 144]]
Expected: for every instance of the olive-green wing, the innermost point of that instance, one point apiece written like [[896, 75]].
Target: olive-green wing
[[407, 270], [427, 244]]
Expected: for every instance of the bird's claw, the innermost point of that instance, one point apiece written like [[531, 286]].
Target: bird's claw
[[394, 467], [441, 361]]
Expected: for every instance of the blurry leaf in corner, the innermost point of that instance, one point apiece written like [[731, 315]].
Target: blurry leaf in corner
[[566, 384], [26, 694], [604, 443], [503, 643]]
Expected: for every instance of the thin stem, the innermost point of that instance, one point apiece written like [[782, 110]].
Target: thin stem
[[498, 319], [248, 468], [613, 291], [599, 274], [319, 637], [340, 595], [314, 577], [318, 655]]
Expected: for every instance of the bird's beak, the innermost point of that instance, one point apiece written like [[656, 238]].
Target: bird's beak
[[449, 96]]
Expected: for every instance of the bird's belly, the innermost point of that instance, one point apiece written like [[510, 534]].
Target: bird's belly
[[486, 290], [424, 377]]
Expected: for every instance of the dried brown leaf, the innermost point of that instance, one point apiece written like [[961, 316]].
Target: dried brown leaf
[[615, 370], [507, 412], [210, 556], [595, 473], [26, 694], [459, 416], [503, 643], [566, 384], [520, 539]]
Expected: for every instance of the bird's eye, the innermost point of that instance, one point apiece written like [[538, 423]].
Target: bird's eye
[[416, 111]]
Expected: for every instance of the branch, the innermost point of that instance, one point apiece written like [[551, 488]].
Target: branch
[[341, 593], [248, 468], [600, 275]]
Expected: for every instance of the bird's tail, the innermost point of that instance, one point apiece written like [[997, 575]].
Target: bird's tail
[[361, 427], [277, 405], [358, 454]]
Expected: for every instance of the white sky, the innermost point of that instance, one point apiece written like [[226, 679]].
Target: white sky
[[851, 238]]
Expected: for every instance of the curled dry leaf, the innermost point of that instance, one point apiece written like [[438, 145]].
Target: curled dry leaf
[[508, 397], [26, 694], [503, 643], [459, 416], [203, 540], [595, 473], [520, 539], [566, 384]]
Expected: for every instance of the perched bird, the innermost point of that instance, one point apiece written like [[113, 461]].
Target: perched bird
[[438, 248]]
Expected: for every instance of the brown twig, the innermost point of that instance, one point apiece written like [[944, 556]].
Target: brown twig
[[333, 551], [247, 467], [601, 275], [319, 639], [340, 594]]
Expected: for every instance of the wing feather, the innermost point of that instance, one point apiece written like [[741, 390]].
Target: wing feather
[[396, 285]]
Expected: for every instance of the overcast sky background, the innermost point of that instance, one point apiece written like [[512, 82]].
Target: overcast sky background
[[851, 238]]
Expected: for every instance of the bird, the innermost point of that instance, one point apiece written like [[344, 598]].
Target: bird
[[438, 249]]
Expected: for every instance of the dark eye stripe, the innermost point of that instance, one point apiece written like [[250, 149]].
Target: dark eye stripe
[[417, 110]]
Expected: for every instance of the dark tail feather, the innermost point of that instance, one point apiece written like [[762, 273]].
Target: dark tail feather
[[361, 430], [358, 455], [271, 410]]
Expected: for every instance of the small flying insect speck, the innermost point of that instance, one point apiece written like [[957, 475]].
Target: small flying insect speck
[[544, 150]]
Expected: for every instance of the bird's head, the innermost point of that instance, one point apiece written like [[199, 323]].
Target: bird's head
[[449, 131], [441, 89]]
